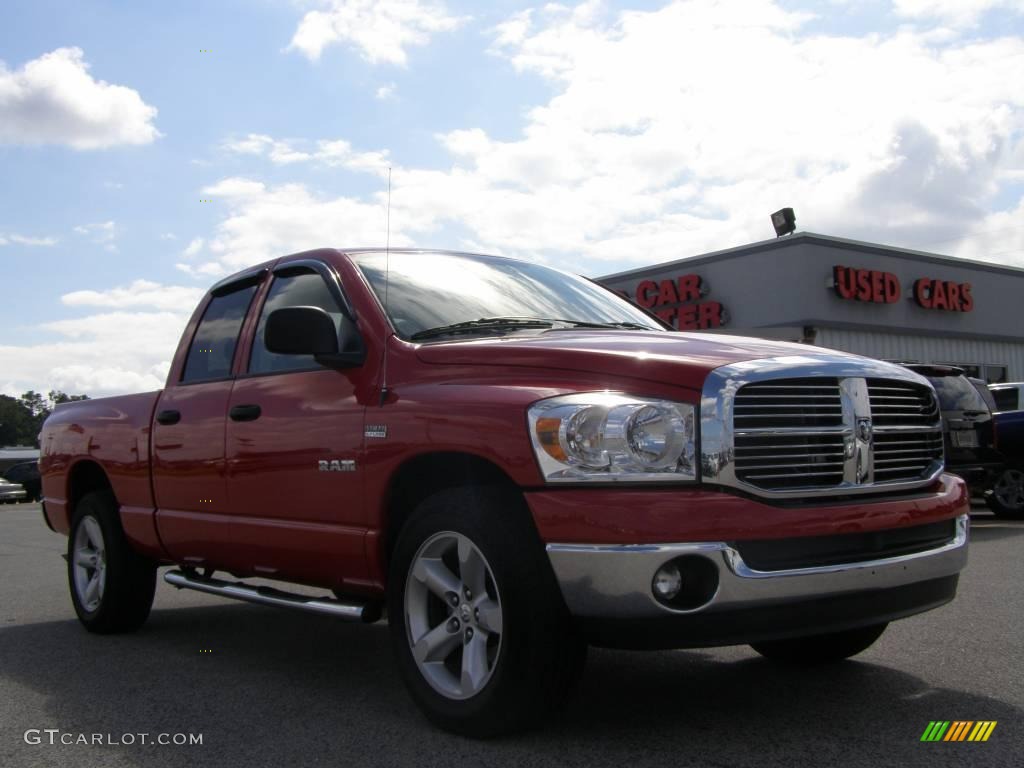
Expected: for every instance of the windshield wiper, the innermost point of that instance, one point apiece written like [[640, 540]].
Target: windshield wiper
[[483, 324], [592, 324]]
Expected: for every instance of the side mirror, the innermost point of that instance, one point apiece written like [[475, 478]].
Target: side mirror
[[311, 331]]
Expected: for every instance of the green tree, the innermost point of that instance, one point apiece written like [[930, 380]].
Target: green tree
[[22, 418], [56, 397], [14, 420]]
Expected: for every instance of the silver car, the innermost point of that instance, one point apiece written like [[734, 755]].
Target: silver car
[[11, 493]]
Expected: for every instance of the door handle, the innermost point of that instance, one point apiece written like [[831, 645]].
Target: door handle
[[168, 417], [244, 412]]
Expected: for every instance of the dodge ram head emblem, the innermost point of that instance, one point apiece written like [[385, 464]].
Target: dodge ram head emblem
[[862, 458], [337, 465], [864, 430]]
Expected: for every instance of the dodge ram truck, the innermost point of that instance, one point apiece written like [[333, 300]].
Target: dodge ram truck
[[511, 463]]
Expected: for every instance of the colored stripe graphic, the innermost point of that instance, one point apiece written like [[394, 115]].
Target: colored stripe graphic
[[958, 730], [983, 730], [935, 730]]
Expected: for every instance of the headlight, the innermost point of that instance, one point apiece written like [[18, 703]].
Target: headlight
[[604, 436]]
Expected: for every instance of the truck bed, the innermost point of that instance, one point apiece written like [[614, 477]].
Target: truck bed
[[109, 432]]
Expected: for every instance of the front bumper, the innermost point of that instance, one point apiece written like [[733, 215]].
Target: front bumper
[[615, 581], [608, 585]]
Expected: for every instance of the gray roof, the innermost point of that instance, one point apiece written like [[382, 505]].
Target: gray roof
[[835, 242]]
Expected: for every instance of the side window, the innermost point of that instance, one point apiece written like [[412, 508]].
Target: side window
[[306, 289], [213, 345], [1006, 399], [995, 374]]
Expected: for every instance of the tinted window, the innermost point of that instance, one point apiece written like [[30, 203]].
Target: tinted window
[[213, 346], [982, 389], [306, 289], [430, 290], [956, 393], [1006, 399]]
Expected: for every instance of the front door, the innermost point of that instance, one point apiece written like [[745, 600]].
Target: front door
[[293, 448]]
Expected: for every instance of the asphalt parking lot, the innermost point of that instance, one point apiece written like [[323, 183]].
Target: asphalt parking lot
[[270, 687]]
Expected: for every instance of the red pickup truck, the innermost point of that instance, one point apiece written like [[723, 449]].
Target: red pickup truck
[[513, 463]]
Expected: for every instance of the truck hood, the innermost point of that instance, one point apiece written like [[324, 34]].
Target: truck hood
[[682, 359]]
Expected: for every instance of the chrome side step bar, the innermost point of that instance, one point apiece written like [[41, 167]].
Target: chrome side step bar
[[350, 611]]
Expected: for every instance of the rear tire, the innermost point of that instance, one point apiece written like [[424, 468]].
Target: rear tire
[[111, 584], [481, 635], [1006, 499], [821, 649]]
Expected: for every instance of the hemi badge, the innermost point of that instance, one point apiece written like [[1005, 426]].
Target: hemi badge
[[376, 430]]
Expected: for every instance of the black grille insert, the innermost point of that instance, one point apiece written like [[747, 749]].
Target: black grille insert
[[812, 551]]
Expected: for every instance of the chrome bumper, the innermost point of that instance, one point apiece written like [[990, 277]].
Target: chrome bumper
[[615, 581]]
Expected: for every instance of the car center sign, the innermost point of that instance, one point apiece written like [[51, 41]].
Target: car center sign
[[877, 287], [681, 302]]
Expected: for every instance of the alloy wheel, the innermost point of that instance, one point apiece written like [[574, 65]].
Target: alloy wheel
[[453, 615], [90, 564]]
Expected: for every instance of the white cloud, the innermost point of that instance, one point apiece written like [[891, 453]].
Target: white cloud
[[956, 12], [385, 92], [194, 247], [102, 233], [26, 240], [54, 100], [998, 236], [662, 140], [125, 347], [168, 236], [381, 30], [336, 153], [253, 144], [140, 293], [264, 222]]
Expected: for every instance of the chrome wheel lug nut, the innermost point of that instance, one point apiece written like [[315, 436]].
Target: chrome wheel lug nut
[[468, 594], [469, 634]]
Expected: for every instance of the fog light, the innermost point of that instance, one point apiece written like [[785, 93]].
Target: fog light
[[668, 581]]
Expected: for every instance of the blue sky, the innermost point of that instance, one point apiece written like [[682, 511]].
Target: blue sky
[[596, 136]]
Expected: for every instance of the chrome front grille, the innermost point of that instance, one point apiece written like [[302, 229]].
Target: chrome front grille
[[784, 461], [862, 426], [771, 460], [897, 403], [905, 455], [789, 403]]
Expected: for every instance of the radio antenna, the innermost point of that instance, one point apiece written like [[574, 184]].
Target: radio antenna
[[387, 281]]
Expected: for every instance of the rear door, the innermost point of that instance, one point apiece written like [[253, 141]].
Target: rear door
[[188, 434], [294, 447]]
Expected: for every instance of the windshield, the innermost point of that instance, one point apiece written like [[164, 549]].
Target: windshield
[[956, 393], [432, 290]]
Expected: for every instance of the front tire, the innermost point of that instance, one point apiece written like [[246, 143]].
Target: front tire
[[821, 649], [111, 584], [1006, 499], [482, 638]]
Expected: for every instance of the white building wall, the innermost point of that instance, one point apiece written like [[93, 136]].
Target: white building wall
[[927, 349]]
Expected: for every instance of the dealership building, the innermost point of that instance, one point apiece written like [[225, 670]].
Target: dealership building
[[874, 300]]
